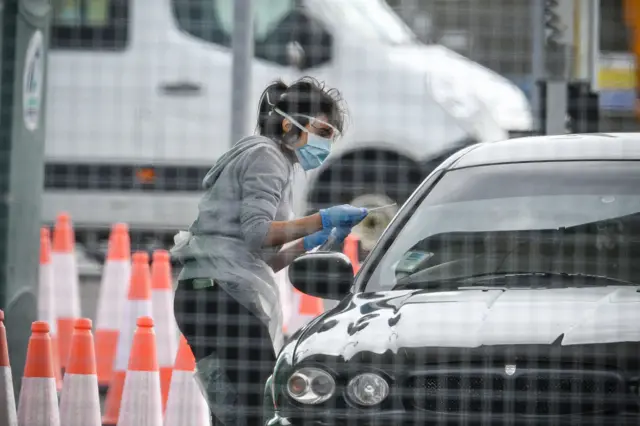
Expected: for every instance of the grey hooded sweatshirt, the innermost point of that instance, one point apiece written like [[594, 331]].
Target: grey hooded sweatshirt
[[247, 189]]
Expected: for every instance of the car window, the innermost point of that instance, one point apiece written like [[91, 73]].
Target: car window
[[562, 218], [276, 23], [90, 24]]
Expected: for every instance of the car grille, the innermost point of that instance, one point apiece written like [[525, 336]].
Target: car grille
[[526, 392]]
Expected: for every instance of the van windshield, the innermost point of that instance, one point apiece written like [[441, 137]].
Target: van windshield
[[370, 19]]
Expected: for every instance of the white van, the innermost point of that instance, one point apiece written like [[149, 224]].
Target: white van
[[139, 96]]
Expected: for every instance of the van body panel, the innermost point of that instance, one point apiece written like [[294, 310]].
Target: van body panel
[[165, 99]]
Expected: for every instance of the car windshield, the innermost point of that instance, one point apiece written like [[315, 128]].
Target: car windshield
[[525, 225], [371, 19]]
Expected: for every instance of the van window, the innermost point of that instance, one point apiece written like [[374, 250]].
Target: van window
[[276, 22], [90, 24]]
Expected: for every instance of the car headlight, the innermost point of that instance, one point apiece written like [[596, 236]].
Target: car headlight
[[367, 389], [311, 386]]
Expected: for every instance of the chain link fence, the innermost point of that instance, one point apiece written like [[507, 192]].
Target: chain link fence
[[139, 109]]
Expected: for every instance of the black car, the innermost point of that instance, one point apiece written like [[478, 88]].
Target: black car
[[505, 291]]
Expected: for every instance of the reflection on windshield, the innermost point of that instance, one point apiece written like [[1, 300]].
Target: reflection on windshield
[[371, 19], [558, 228]]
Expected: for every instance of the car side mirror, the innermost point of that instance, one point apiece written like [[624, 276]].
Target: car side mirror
[[327, 275]]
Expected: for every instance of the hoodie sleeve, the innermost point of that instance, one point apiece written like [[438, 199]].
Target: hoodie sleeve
[[264, 179]]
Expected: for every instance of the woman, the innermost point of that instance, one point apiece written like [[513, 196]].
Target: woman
[[226, 304]]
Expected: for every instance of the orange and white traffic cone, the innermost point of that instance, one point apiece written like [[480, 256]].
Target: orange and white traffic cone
[[113, 296], [8, 415], [305, 309], [351, 249], [285, 292], [138, 305], [141, 400], [165, 326], [80, 400], [65, 278], [46, 300], [186, 405], [38, 401]]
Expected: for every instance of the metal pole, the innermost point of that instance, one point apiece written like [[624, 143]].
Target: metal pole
[[594, 45], [556, 107], [538, 59], [24, 28], [559, 50], [241, 75], [587, 42]]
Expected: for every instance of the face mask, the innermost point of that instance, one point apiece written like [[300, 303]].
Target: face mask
[[317, 149], [313, 154]]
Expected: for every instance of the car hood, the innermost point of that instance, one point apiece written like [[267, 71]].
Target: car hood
[[401, 320]]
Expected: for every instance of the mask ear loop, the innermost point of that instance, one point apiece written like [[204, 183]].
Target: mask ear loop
[[285, 139], [291, 119]]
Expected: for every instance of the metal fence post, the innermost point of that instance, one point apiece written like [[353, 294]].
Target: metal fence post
[[22, 99], [241, 79], [538, 60]]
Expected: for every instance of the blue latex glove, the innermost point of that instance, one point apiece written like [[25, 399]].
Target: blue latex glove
[[342, 234], [344, 216], [317, 239]]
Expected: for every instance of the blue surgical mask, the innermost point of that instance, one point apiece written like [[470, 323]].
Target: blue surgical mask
[[317, 148], [313, 154]]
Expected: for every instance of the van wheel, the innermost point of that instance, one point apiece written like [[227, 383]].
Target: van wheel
[[367, 179]]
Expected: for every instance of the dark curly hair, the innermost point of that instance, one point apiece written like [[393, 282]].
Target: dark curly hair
[[305, 96]]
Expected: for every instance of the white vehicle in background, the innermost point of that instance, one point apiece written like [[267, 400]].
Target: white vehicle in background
[[139, 97]]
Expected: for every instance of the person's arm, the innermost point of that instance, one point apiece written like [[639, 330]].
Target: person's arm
[[291, 251], [285, 232], [263, 179], [341, 217], [286, 255]]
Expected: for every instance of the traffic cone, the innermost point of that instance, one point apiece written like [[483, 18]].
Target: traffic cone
[[113, 296], [80, 400], [165, 326], [285, 291], [305, 309], [65, 279], [186, 405], [38, 401], [351, 249], [8, 415], [46, 300], [141, 400], [138, 304]]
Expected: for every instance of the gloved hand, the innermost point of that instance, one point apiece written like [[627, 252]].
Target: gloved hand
[[344, 216], [317, 239]]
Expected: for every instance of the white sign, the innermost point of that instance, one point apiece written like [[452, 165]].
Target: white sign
[[32, 82]]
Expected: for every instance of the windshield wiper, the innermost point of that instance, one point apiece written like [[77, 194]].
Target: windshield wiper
[[541, 274], [484, 288], [501, 277]]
